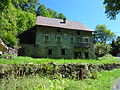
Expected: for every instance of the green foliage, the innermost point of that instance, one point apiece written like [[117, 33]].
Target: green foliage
[[61, 16], [4, 4], [16, 16], [43, 11], [107, 57], [115, 45], [104, 81], [13, 22], [112, 8], [102, 49], [52, 13], [26, 5], [9, 38], [102, 34]]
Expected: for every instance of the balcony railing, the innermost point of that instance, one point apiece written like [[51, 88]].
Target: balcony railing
[[82, 44]]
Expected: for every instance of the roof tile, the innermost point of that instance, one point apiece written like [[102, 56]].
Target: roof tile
[[53, 22]]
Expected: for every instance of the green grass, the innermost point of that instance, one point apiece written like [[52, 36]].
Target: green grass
[[25, 60], [104, 81]]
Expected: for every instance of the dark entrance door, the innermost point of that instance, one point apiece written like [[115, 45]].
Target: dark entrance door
[[77, 55], [86, 55]]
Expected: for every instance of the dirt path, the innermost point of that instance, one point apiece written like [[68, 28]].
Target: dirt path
[[116, 86]]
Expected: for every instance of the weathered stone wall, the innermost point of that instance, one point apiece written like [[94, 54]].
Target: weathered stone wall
[[3, 47], [11, 51], [78, 71], [64, 44], [41, 47]]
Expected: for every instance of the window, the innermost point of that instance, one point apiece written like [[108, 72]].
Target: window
[[77, 55], [71, 40], [49, 51], [58, 38], [46, 37], [65, 36], [86, 39], [79, 40], [63, 51]]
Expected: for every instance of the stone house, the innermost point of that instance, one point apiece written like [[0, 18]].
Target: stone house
[[57, 38]]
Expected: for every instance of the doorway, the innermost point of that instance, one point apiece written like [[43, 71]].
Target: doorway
[[77, 55]]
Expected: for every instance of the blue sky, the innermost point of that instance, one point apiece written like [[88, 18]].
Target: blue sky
[[89, 12]]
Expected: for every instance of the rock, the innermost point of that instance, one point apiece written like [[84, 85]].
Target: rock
[[3, 47]]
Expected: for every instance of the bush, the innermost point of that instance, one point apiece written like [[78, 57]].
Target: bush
[[107, 57], [102, 49]]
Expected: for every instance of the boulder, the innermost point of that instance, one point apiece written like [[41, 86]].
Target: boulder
[[3, 47]]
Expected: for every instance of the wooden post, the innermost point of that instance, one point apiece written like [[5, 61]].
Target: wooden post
[[81, 74]]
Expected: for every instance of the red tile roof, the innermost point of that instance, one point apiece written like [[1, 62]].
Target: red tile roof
[[53, 22]]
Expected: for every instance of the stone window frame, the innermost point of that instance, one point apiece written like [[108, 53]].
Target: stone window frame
[[70, 39], [57, 38], [84, 41], [48, 35], [79, 40]]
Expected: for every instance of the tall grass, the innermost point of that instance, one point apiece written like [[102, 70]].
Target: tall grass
[[104, 81]]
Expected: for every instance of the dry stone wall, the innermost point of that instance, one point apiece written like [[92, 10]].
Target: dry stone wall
[[76, 71]]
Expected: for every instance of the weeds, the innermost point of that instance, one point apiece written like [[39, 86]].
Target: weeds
[[104, 81]]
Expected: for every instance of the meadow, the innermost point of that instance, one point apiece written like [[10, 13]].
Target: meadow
[[104, 80], [26, 60]]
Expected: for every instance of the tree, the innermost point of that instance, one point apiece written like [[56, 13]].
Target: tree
[[4, 4], [42, 11], [61, 16], [26, 5], [12, 22], [102, 34], [102, 49], [112, 8], [115, 46], [52, 13], [16, 16]]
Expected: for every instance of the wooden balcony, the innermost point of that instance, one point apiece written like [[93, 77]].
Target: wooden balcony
[[78, 45]]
